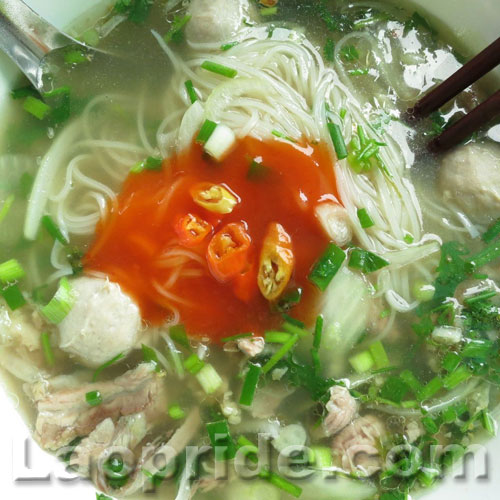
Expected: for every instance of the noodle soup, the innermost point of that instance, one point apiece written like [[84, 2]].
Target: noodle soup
[[230, 268]]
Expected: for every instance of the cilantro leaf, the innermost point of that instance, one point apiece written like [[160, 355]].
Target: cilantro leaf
[[137, 10]]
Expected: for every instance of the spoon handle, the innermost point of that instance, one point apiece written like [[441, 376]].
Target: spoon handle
[[27, 38]]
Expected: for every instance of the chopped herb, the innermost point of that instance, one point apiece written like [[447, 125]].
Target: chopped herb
[[193, 97], [175, 412], [411, 381], [53, 229], [379, 355], [488, 422], [281, 483], [364, 218], [394, 389], [281, 135], [228, 46], [432, 387], [273, 337], [365, 261], [23, 92], [295, 329], [329, 50], [178, 334], [137, 10], [451, 361], [418, 21], [327, 266], [337, 140], [408, 238], [318, 332], [349, 53], [221, 440], [93, 398], [219, 69], [479, 349], [206, 131], [47, 349], [209, 379], [11, 271], [76, 55], [358, 72], [13, 297], [61, 304], [289, 299], [176, 32], [150, 163], [149, 356], [106, 365], [257, 171], [492, 232], [343, 113], [430, 425], [362, 362], [250, 385]]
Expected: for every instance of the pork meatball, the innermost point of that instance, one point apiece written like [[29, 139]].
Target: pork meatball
[[103, 323], [470, 178], [215, 20]]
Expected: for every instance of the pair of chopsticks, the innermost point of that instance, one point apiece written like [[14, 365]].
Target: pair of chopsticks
[[476, 68]]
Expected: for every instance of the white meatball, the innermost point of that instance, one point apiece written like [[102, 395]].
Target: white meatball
[[470, 178], [103, 323], [215, 20]]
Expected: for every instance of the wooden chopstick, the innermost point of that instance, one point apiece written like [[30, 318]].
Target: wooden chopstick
[[472, 71], [466, 126]]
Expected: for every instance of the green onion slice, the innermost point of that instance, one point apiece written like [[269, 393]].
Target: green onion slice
[[281, 353], [93, 398], [327, 266], [219, 69], [53, 229], [250, 385], [13, 296], [61, 304], [10, 271], [47, 349], [193, 97], [221, 440], [206, 131], [103, 367], [364, 218], [7, 204], [36, 107], [338, 140], [365, 261]]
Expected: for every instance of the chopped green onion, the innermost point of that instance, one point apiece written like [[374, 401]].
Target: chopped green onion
[[268, 11], [150, 163], [13, 296], [480, 297], [338, 141], [53, 229], [250, 385], [362, 362], [365, 261], [106, 365], [318, 332], [193, 97], [61, 304], [322, 457], [492, 232], [411, 381], [281, 135], [207, 129], [219, 69], [379, 355], [432, 387], [430, 425], [93, 398], [487, 255], [175, 33], [408, 238], [282, 352], [295, 329], [36, 107], [175, 412], [293, 321], [149, 356], [10, 271], [488, 422], [289, 299], [221, 440], [227, 46], [461, 374], [477, 349], [327, 266], [449, 415], [251, 451], [257, 171], [343, 113], [101, 496], [23, 92], [274, 337], [281, 483], [193, 364], [237, 337], [47, 349], [422, 291], [178, 334], [358, 72], [209, 379], [451, 361], [76, 56], [394, 389], [364, 218], [7, 204]]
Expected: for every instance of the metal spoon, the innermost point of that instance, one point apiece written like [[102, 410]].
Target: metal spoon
[[28, 39]]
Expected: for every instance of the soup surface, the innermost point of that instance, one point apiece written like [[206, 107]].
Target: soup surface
[[229, 267]]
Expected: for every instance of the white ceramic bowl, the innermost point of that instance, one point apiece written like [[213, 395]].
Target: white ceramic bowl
[[473, 24]]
